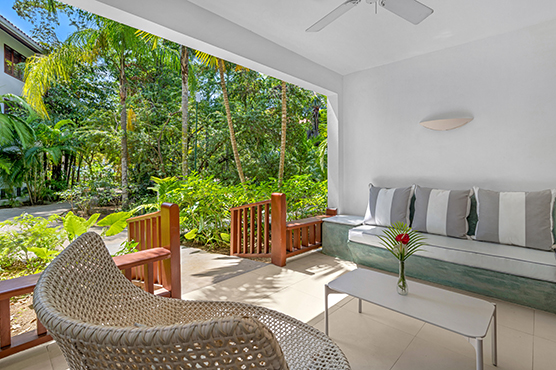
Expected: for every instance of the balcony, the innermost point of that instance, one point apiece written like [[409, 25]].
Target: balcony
[[374, 339]]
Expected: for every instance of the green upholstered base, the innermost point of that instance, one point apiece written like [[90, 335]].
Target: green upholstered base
[[528, 292]]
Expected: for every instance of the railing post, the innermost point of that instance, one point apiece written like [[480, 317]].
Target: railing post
[[233, 232], [5, 325], [331, 211], [278, 229], [170, 230]]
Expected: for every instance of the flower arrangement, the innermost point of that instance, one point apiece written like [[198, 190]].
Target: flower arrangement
[[400, 240]]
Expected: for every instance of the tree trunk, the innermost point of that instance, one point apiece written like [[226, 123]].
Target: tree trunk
[[283, 135], [184, 67], [123, 122], [229, 118]]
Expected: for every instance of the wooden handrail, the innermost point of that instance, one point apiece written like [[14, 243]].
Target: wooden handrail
[[251, 205]]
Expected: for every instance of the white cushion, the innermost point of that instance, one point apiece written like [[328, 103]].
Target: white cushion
[[530, 263]]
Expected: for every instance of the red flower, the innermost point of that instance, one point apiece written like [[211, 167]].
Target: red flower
[[403, 238]]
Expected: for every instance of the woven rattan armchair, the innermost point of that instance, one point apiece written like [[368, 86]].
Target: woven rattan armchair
[[101, 320]]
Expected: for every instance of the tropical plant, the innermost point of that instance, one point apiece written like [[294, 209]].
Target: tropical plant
[[27, 236], [32, 149], [113, 43], [75, 225], [205, 202]]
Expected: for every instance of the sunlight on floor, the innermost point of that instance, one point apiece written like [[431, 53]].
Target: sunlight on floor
[[375, 339]]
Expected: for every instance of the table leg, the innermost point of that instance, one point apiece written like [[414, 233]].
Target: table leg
[[479, 352], [494, 337], [360, 305], [326, 309]]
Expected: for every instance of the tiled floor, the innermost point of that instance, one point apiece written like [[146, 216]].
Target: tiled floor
[[377, 338]]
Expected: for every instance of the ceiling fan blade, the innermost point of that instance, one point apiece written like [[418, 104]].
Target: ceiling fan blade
[[410, 10], [332, 16]]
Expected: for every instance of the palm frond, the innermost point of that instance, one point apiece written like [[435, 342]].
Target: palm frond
[[401, 252]]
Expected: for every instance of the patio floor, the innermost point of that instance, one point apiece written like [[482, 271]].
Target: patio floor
[[375, 339]]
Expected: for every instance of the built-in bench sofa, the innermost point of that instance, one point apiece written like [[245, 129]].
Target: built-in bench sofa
[[512, 273]]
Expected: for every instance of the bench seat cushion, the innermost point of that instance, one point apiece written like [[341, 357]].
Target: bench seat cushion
[[530, 263]]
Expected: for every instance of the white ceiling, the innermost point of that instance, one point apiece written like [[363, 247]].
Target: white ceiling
[[361, 39]]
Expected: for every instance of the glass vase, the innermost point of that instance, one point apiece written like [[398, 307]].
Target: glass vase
[[402, 282]]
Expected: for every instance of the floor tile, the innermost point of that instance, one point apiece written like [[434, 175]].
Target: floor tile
[[386, 316], [298, 304], [315, 284], [516, 317], [424, 355], [545, 325], [249, 287], [544, 354], [367, 344], [515, 349], [57, 359], [32, 359]]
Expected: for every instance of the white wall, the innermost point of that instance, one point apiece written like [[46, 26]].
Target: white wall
[[9, 84], [506, 82]]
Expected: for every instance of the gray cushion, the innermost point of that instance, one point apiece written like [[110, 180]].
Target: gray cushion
[[516, 218], [388, 206], [442, 212]]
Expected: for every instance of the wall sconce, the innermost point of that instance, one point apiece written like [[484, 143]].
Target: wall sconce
[[445, 124]]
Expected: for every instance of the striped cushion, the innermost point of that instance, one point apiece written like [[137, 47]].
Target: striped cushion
[[442, 212], [517, 218], [388, 206]]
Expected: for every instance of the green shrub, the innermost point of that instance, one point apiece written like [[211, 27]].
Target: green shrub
[[205, 202], [33, 240], [98, 187]]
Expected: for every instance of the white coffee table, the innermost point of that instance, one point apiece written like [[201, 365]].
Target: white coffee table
[[456, 312]]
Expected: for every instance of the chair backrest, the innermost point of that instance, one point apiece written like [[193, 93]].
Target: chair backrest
[[101, 320]]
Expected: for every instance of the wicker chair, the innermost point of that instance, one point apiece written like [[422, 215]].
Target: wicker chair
[[101, 320]]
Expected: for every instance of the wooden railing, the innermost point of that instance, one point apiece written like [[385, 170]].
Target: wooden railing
[[250, 230], [260, 230], [162, 252], [153, 230]]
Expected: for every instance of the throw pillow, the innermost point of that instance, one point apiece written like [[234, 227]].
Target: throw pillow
[[388, 206], [517, 218], [442, 212]]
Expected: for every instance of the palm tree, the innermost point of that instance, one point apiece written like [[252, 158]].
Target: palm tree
[[184, 69], [30, 146], [283, 135], [218, 63], [112, 42]]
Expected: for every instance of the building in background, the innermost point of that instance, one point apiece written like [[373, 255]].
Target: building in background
[[15, 47]]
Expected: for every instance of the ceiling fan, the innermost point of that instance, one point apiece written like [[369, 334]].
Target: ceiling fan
[[410, 10]]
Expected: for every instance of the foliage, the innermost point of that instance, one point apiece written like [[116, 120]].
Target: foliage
[[116, 223], [34, 240], [126, 247], [205, 202], [32, 150], [400, 240], [31, 242], [75, 225], [97, 187]]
